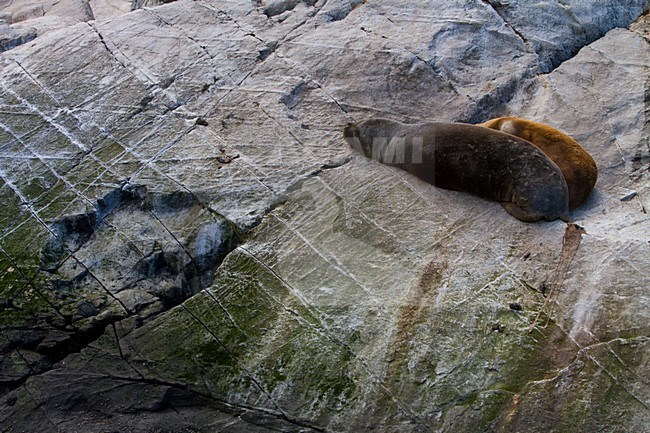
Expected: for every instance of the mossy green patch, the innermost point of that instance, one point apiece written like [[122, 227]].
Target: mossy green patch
[[23, 244], [474, 354], [20, 121], [10, 202], [250, 335], [60, 201], [26, 300]]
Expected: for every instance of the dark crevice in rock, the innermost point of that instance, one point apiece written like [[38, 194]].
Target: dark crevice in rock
[[492, 104], [552, 56], [291, 99], [498, 8], [54, 250], [278, 7], [141, 107], [341, 10], [269, 49], [11, 38], [71, 232], [105, 45], [140, 4], [159, 281], [41, 347]]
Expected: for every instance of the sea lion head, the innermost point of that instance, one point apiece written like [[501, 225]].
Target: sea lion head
[[370, 137], [353, 136]]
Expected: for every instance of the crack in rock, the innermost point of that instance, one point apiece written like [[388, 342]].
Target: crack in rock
[[497, 7], [296, 186]]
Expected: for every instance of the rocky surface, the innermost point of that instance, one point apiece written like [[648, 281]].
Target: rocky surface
[[188, 244], [22, 21]]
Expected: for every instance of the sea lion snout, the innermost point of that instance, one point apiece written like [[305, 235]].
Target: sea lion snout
[[350, 130], [352, 136]]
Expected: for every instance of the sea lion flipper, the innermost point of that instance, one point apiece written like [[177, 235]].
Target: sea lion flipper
[[518, 212]]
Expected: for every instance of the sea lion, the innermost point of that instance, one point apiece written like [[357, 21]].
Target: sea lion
[[577, 166], [469, 158]]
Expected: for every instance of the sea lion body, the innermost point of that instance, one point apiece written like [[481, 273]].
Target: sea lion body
[[577, 166], [469, 158]]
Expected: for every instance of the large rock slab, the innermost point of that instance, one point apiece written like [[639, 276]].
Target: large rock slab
[[26, 19], [356, 297]]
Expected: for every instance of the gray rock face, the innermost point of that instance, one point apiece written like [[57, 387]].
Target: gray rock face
[[27, 19], [557, 30], [11, 37], [188, 244]]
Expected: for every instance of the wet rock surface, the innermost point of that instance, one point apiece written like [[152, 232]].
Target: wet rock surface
[[188, 244]]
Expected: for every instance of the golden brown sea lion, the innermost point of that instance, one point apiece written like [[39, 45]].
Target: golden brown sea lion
[[469, 158], [577, 166]]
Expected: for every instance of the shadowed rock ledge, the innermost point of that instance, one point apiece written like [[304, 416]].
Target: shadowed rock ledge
[[188, 244]]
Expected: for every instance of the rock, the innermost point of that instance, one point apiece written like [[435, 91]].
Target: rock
[[93, 279], [79, 10], [24, 11], [642, 26], [128, 403], [17, 367], [11, 37], [139, 4], [30, 19], [134, 300], [250, 273], [278, 7], [337, 10], [557, 30], [44, 24], [104, 9], [53, 342]]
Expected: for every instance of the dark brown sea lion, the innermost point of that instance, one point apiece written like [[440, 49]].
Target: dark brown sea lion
[[469, 158], [577, 166]]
